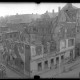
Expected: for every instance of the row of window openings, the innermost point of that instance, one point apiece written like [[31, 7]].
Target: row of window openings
[[51, 62], [70, 43], [15, 35]]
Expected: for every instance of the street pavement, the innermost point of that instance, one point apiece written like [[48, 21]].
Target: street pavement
[[72, 71], [58, 73], [70, 74]]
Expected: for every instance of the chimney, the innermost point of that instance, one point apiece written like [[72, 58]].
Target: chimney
[[53, 11], [58, 9], [46, 11], [16, 13]]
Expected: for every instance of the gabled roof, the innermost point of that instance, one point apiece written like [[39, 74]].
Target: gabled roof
[[69, 5]]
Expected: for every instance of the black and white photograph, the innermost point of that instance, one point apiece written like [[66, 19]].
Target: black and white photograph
[[40, 40]]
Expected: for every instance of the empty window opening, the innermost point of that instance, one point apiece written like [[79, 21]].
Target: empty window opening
[[57, 60], [62, 57], [39, 66], [52, 61], [46, 64]]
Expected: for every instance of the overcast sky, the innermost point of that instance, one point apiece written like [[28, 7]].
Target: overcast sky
[[29, 8]]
